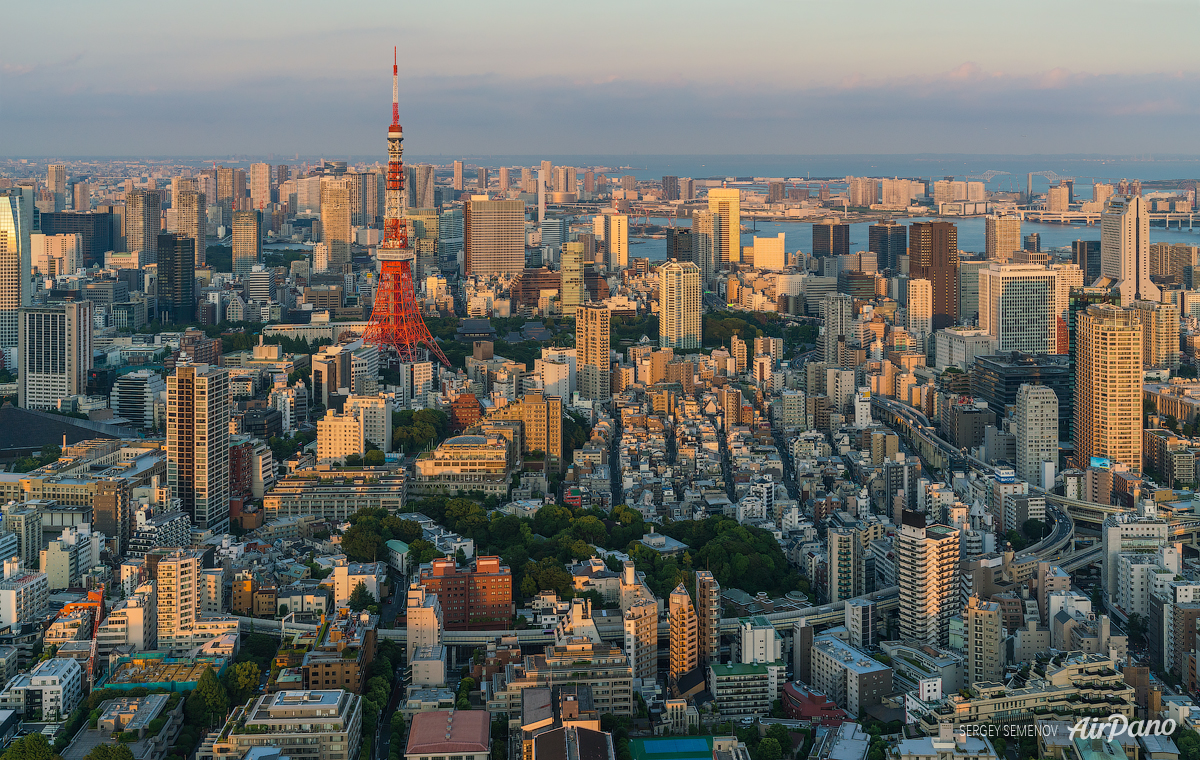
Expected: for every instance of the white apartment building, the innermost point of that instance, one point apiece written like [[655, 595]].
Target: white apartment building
[[339, 436], [376, 416], [49, 692]]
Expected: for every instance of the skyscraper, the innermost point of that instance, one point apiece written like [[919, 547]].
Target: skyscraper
[[888, 241], [708, 610], [839, 314], [55, 353], [593, 346], [191, 220], [143, 217], [450, 239], [831, 238], [1017, 307], [670, 188], [247, 241], [176, 278], [457, 182], [482, 184], [56, 184], [1125, 249], [679, 245], [1160, 334], [1036, 419], [82, 196], [933, 256], [260, 186], [1108, 386], [1002, 237], [505, 181], [706, 237], [335, 220], [613, 230], [928, 575], [685, 640], [919, 310], [572, 277], [726, 203], [16, 224], [494, 236], [679, 305], [198, 443], [985, 634]]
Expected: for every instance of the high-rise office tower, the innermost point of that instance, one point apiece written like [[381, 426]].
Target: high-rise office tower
[[928, 575], [685, 639], [231, 192], [933, 256], [482, 182], [1036, 419], [613, 231], [593, 349], [493, 236], [369, 193], [56, 183], [1002, 237], [504, 180], [283, 173], [888, 241], [191, 220], [555, 232], [450, 240], [335, 220], [830, 238], [679, 245], [1086, 255], [1108, 386], [198, 443], [260, 186], [679, 304], [839, 315], [706, 237], [1125, 249], [726, 203], [81, 196], [55, 353], [708, 610], [670, 188], [143, 222], [247, 241], [572, 277], [176, 278], [985, 635], [1017, 307], [16, 225], [919, 309], [589, 181], [457, 182], [1031, 243], [1160, 334]]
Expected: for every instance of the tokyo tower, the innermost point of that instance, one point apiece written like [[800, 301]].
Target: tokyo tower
[[396, 322]]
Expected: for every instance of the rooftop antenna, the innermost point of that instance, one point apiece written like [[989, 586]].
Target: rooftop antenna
[[395, 88]]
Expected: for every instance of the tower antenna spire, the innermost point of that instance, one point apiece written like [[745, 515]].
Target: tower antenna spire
[[395, 88]]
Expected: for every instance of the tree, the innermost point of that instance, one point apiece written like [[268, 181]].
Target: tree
[[781, 735], [283, 611], [374, 458], [354, 460], [109, 752], [360, 598], [32, 747], [211, 696], [242, 681], [768, 749], [1136, 628]]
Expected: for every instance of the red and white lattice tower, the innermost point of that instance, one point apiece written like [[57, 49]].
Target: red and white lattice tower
[[396, 322]]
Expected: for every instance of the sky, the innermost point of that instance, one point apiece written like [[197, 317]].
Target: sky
[[134, 78]]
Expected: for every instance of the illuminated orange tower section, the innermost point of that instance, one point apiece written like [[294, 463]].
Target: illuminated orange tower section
[[396, 322]]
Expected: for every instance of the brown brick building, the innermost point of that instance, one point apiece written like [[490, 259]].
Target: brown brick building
[[477, 598]]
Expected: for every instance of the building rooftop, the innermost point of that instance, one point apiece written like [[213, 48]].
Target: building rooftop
[[672, 748], [454, 732], [852, 659]]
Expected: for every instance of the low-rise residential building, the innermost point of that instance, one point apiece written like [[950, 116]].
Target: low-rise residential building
[[334, 495], [603, 667], [745, 689], [849, 676], [342, 658], [466, 463], [49, 692], [465, 734], [324, 725]]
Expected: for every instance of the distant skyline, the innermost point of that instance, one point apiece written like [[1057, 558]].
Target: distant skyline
[[533, 78]]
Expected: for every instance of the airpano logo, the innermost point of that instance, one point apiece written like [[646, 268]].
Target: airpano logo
[[1115, 726]]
